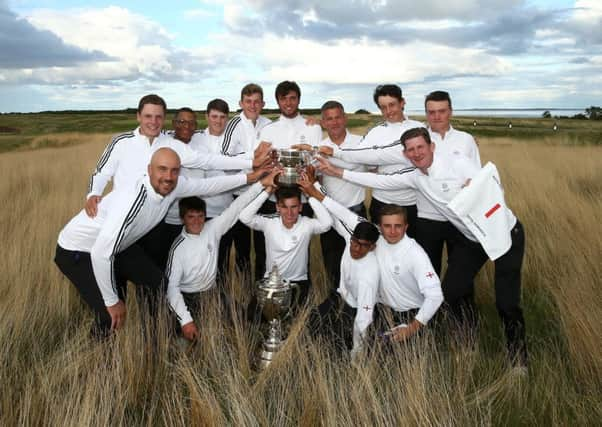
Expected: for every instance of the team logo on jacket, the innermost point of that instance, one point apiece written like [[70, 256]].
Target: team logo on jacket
[[210, 247], [294, 238], [396, 269], [444, 187], [302, 139]]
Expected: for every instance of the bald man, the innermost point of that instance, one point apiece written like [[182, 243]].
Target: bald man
[[98, 255]]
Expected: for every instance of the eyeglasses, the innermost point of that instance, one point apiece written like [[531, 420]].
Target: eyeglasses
[[181, 122], [357, 242]]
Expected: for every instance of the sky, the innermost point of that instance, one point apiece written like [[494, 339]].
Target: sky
[[70, 54]]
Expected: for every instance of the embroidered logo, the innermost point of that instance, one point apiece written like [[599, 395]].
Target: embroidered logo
[[445, 187], [429, 274], [396, 269], [294, 238], [210, 247]]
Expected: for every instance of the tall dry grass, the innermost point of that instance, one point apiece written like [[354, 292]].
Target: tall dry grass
[[53, 374]]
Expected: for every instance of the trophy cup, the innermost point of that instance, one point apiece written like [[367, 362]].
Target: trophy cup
[[293, 163], [274, 296]]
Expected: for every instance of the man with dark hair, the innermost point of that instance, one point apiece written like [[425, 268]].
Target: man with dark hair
[[289, 129], [240, 136], [193, 265], [345, 315], [484, 228], [386, 134], [100, 254], [287, 233]]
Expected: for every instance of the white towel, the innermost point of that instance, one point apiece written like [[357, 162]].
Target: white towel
[[482, 208]]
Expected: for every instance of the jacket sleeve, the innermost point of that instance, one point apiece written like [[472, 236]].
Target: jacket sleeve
[[367, 292], [105, 168], [323, 221], [390, 154], [248, 215], [199, 160], [401, 179], [106, 247], [228, 217], [205, 187], [429, 285], [344, 221], [175, 272]]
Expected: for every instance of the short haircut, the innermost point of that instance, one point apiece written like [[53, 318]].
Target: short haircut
[[184, 110], [387, 90], [365, 230], [391, 209], [285, 87], [414, 133], [251, 89], [332, 104], [191, 204], [219, 105], [288, 193], [438, 95], [151, 99]]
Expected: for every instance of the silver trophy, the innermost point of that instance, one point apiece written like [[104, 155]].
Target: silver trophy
[[274, 297], [293, 163]]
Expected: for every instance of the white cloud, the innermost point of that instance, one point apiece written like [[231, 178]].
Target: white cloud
[[355, 62]]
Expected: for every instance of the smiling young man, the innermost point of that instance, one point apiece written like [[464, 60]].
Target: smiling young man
[[289, 129], [373, 150], [287, 233], [99, 254], [193, 264], [240, 137], [440, 178]]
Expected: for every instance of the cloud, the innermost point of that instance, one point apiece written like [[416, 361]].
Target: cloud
[[132, 47], [22, 45]]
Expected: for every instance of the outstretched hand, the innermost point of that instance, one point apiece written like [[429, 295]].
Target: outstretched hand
[[262, 155], [306, 183], [269, 181], [328, 168]]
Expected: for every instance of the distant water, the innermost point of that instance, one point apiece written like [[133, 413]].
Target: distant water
[[519, 112]]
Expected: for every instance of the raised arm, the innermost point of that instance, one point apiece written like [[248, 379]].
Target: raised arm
[[323, 221], [248, 215]]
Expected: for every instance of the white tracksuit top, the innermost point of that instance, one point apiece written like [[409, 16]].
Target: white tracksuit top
[[407, 278], [192, 261], [360, 278], [344, 192], [446, 178], [286, 247], [127, 157], [284, 132], [125, 216], [376, 148]]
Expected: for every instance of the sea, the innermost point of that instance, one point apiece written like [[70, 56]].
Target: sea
[[507, 112]]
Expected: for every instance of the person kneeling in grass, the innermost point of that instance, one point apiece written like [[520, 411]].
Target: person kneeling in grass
[[192, 262], [345, 315]]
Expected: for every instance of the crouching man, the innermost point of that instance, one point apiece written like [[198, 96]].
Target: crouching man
[[192, 262], [99, 254], [287, 234], [346, 314]]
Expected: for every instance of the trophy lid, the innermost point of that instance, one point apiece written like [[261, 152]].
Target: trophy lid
[[274, 280]]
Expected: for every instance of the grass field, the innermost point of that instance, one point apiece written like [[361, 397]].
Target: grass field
[[53, 374]]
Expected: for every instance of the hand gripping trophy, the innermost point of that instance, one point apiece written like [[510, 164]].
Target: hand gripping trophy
[[274, 296], [293, 163]]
